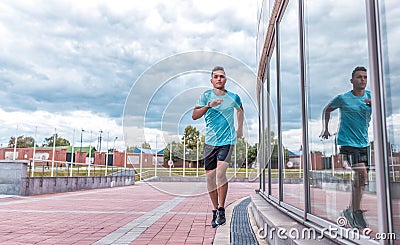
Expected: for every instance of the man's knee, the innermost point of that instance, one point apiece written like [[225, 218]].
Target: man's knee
[[221, 171]]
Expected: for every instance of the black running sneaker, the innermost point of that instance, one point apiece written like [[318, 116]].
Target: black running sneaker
[[359, 219], [348, 214], [213, 224], [220, 216]]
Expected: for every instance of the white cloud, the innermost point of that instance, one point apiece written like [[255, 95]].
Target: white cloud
[[76, 61], [71, 64], [44, 124]]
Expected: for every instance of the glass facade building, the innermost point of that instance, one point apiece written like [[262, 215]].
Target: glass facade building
[[306, 52]]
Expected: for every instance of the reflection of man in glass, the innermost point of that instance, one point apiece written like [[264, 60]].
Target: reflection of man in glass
[[217, 106], [355, 115]]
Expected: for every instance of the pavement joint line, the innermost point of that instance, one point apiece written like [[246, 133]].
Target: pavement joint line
[[126, 207], [91, 212], [129, 232], [30, 199], [67, 211]]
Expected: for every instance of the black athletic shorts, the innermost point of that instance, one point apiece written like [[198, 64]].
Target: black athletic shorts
[[354, 155], [213, 154]]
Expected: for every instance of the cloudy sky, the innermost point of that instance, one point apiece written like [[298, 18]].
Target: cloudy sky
[[71, 65], [134, 69]]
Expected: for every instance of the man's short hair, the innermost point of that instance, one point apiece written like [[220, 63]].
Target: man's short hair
[[217, 68], [358, 68]]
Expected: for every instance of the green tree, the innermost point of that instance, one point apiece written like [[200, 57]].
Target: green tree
[[191, 135], [177, 152], [130, 148], [191, 139], [22, 142], [145, 145], [252, 153], [59, 141], [241, 153]]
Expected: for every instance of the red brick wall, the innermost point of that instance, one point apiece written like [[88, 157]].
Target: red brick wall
[[27, 153]]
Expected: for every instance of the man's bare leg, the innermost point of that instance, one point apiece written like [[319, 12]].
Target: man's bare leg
[[358, 187], [222, 182], [360, 179], [222, 190], [212, 187]]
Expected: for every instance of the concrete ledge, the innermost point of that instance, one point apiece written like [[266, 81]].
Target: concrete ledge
[[275, 227], [14, 181], [47, 185], [11, 173]]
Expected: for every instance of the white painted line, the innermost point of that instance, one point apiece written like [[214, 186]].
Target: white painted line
[[129, 232]]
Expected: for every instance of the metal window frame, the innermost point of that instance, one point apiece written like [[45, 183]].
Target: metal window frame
[[379, 120], [304, 109], [268, 143]]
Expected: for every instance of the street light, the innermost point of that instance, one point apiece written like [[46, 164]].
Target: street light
[[80, 151], [99, 141], [116, 137]]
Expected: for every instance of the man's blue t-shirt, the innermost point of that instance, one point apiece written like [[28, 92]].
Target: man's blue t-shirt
[[355, 116], [220, 128]]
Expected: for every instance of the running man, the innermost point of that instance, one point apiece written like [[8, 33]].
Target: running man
[[355, 116], [217, 106]]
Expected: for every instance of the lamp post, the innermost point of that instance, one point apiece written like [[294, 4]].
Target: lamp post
[[156, 162], [197, 158], [54, 152], [99, 145], [15, 144], [80, 150], [90, 153], [116, 137], [108, 139], [184, 156]]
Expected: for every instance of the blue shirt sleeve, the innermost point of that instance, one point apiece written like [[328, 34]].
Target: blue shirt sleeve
[[368, 94], [336, 102], [238, 101], [202, 101]]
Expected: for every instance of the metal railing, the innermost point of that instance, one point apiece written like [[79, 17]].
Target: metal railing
[[49, 168]]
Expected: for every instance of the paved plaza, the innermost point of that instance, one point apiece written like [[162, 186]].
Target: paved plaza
[[145, 213]]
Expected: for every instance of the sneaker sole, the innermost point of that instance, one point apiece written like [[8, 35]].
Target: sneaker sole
[[222, 223], [350, 221]]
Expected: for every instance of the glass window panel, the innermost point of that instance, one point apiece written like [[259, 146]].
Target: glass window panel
[[264, 161], [263, 21], [291, 107], [390, 19], [336, 42], [273, 130]]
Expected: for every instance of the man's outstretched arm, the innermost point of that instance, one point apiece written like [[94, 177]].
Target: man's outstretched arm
[[240, 118], [326, 116], [198, 112]]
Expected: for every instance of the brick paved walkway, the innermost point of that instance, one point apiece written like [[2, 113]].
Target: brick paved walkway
[[154, 213]]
